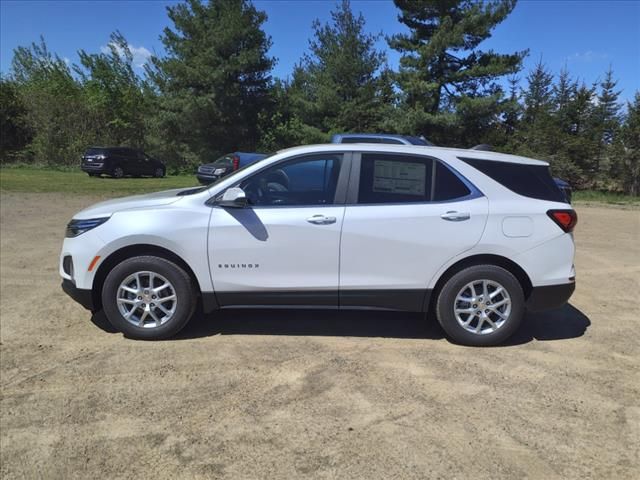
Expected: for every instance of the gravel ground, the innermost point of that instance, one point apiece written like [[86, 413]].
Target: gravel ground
[[302, 394]]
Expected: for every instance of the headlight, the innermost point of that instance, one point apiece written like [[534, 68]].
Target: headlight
[[78, 227]]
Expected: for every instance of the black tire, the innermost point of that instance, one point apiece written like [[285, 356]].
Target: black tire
[[446, 304], [159, 172], [182, 284], [117, 172]]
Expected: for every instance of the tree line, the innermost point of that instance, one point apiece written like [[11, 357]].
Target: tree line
[[213, 92]]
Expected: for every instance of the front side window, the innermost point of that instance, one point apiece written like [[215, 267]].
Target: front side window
[[308, 180]]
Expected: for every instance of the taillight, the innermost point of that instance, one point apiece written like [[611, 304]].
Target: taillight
[[565, 219], [236, 162]]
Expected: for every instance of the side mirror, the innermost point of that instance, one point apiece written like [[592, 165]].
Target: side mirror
[[233, 198]]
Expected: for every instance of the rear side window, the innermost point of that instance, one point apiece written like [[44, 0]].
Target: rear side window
[[388, 178], [533, 181], [447, 185], [394, 179]]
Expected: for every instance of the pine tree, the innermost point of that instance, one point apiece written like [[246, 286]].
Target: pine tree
[[538, 97], [214, 80], [628, 167], [448, 83], [339, 86], [513, 110], [607, 123], [537, 127], [608, 110], [563, 94]]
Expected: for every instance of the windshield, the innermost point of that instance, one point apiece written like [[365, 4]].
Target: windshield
[[233, 174], [224, 161], [95, 151]]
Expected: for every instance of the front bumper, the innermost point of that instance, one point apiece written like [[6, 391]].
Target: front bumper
[[83, 297], [93, 168], [207, 179], [549, 297]]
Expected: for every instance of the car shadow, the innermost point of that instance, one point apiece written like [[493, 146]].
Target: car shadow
[[561, 324], [305, 322]]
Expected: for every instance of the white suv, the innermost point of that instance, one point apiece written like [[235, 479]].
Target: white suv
[[476, 237]]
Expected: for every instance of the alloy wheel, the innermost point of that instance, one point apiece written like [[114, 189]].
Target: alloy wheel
[[146, 299], [482, 306]]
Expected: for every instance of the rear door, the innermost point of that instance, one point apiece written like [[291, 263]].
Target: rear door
[[406, 216], [125, 158], [139, 162], [283, 248]]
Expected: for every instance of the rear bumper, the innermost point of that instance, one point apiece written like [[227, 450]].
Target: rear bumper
[[550, 296], [83, 297]]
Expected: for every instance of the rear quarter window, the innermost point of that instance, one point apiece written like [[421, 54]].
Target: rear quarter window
[[533, 181]]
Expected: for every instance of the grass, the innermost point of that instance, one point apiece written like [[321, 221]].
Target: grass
[[610, 198], [29, 179]]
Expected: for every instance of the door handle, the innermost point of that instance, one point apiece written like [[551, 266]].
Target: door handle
[[453, 216], [321, 220]]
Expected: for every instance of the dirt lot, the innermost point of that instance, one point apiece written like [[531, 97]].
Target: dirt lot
[[316, 394]]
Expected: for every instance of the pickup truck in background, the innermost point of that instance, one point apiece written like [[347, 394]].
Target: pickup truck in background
[[226, 164]]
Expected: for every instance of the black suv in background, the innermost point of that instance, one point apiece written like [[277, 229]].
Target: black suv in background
[[120, 161]]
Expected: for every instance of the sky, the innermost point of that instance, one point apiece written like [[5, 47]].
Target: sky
[[585, 35]]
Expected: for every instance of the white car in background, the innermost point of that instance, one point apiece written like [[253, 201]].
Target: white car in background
[[474, 236]]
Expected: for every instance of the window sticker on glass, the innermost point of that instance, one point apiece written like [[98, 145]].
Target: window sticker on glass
[[399, 177]]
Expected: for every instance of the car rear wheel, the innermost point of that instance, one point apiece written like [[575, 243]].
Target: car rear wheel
[[481, 305], [159, 173], [148, 298], [117, 172]]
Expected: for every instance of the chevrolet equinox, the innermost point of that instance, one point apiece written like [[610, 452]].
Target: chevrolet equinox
[[476, 237]]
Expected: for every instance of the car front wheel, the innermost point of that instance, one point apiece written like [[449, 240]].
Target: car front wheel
[[148, 298], [117, 172], [481, 305]]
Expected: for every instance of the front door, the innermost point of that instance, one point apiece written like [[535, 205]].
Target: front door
[[283, 248]]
